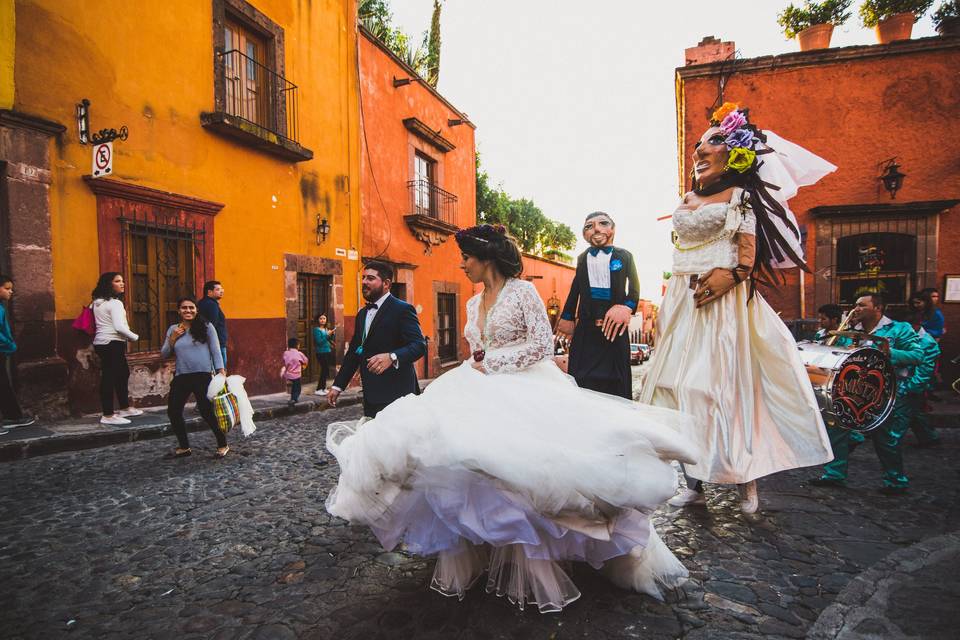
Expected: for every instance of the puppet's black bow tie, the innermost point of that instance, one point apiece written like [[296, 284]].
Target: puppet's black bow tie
[[595, 250], [370, 305]]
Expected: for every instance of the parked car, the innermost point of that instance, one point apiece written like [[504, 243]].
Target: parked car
[[646, 350], [636, 353]]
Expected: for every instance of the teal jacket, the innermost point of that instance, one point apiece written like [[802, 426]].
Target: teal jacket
[[7, 344], [842, 341], [906, 350], [922, 378]]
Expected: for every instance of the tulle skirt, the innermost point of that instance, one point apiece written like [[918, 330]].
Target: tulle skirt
[[508, 474], [734, 367]]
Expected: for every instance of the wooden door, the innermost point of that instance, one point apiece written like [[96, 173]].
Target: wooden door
[[247, 91], [313, 298]]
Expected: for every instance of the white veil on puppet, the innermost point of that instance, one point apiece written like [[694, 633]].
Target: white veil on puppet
[[789, 167]]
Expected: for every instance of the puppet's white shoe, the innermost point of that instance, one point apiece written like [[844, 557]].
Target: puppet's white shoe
[[688, 498], [749, 499]]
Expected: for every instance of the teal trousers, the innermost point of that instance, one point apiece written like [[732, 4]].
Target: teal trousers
[[886, 442]]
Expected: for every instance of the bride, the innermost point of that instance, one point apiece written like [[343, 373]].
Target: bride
[[503, 465]]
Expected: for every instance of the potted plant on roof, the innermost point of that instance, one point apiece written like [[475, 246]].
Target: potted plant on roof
[[812, 23], [947, 18], [892, 19]]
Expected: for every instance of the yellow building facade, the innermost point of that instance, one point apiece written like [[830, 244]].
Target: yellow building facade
[[240, 163]]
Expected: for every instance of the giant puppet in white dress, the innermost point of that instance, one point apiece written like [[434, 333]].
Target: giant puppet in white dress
[[723, 354]]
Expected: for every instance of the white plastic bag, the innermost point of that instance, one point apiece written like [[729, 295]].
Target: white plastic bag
[[247, 427]]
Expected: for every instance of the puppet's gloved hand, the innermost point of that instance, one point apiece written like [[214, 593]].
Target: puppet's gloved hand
[[717, 282]]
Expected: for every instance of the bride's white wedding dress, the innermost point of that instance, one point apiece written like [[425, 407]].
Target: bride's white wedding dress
[[511, 471]]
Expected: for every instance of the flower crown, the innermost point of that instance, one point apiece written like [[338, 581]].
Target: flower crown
[[741, 136]]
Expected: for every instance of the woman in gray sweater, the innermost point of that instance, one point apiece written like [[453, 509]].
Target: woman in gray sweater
[[193, 341]]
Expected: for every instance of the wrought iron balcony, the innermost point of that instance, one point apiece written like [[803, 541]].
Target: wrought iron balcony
[[427, 199], [433, 213], [256, 104]]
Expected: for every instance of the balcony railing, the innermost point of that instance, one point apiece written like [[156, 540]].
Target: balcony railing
[[258, 95], [427, 199]]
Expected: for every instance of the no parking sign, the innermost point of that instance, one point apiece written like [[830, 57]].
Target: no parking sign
[[102, 159]]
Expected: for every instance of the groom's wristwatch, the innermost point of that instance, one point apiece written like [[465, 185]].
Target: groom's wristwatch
[[393, 358]]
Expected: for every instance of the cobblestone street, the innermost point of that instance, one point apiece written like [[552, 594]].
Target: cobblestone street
[[120, 543]]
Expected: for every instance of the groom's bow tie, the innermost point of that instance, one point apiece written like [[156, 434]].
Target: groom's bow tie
[[595, 250], [370, 305]]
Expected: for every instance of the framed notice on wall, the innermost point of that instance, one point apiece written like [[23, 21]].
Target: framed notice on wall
[[951, 288]]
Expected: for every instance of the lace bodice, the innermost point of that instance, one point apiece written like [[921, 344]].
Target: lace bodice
[[707, 235], [517, 334]]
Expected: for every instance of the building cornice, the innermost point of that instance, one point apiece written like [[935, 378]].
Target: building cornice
[[413, 74], [532, 256], [819, 57], [21, 120], [895, 209], [118, 189]]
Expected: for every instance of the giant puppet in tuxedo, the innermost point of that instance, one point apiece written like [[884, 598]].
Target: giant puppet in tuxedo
[[602, 298], [386, 342]]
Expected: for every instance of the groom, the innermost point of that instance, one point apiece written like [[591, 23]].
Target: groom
[[386, 342], [608, 290]]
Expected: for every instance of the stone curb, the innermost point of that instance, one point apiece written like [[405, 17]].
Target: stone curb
[[59, 443], [867, 595]]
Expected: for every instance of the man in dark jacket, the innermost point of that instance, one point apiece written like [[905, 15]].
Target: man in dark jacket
[[386, 342], [209, 308], [602, 299]]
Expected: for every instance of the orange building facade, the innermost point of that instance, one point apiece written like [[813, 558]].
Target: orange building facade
[[418, 187], [859, 108], [242, 131]]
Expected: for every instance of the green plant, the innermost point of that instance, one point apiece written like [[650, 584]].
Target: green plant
[[873, 11], [947, 10], [796, 19]]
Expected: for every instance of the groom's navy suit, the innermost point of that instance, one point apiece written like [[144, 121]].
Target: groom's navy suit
[[395, 329]]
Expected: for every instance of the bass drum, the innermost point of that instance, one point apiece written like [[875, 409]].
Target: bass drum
[[855, 386]]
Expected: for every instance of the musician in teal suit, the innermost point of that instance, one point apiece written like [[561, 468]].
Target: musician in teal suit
[[921, 383], [905, 351]]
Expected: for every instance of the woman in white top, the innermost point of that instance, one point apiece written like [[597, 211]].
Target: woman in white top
[[110, 343]]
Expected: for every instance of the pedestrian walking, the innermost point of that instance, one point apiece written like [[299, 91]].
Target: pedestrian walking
[[110, 343], [323, 337], [193, 342], [13, 415], [293, 362], [386, 341], [209, 308]]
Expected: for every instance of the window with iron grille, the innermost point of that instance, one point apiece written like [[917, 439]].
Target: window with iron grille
[[447, 327], [876, 262], [161, 265]]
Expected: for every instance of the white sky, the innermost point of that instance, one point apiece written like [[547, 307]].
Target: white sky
[[574, 101]]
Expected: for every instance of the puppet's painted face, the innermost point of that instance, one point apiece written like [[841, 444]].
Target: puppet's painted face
[[599, 231], [710, 157]]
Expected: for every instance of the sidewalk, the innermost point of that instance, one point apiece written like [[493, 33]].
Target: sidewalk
[[74, 434]]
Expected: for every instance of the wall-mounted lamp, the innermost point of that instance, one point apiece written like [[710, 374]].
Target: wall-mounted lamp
[[83, 121], [401, 82], [891, 176], [323, 229], [454, 122]]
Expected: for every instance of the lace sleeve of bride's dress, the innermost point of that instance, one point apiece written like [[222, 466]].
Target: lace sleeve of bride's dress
[[520, 324]]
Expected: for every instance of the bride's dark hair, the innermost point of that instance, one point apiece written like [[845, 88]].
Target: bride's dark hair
[[491, 242]]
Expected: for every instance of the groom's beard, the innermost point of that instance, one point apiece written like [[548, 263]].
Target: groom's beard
[[372, 295]]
